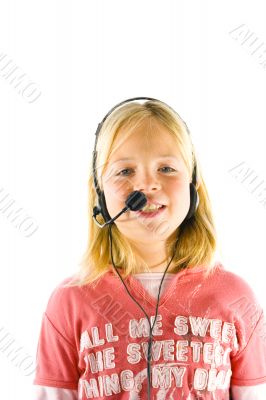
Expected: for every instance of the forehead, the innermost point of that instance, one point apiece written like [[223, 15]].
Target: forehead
[[150, 139]]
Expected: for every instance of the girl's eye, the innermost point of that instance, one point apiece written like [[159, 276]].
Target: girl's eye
[[169, 168], [128, 169]]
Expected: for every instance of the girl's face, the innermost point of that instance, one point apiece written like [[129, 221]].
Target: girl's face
[[164, 180]]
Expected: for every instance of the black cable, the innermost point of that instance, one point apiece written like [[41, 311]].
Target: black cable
[[157, 305]]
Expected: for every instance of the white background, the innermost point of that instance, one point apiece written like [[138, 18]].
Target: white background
[[85, 57]]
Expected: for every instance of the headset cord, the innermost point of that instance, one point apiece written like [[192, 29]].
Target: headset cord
[[157, 305]]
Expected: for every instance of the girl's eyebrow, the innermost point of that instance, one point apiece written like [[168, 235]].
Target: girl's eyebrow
[[133, 159]]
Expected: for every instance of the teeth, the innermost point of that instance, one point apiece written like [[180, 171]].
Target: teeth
[[151, 207]]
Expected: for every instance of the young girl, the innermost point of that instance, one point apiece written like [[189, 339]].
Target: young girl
[[150, 314]]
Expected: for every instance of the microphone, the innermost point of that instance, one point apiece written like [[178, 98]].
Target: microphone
[[134, 202]]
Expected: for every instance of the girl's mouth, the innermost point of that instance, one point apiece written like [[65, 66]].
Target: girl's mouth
[[151, 214]]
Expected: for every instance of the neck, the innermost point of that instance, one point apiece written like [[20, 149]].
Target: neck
[[153, 256], [162, 267], [153, 266]]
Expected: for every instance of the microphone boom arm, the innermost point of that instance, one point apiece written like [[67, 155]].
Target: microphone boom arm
[[111, 220]]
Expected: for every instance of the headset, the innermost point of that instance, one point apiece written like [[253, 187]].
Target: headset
[[135, 201]]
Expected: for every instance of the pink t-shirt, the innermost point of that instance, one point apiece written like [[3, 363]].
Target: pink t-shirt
[[209, 335]]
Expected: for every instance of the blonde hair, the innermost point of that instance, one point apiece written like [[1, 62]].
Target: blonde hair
[[197, 239]]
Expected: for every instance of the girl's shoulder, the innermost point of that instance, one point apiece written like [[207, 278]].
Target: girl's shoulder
[[233, 281]]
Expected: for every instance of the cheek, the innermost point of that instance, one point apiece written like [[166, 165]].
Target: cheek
[[179, 192], [116, 192]]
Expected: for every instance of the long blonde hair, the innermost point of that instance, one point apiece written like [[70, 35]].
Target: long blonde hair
[[197, 239]]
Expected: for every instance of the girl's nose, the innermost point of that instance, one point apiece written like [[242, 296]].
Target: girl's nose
[[147, 182]]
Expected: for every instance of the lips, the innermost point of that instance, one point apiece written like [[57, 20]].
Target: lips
[[153, 213], [149, 202]]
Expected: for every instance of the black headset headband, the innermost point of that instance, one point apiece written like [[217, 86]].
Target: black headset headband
[[96, 185]]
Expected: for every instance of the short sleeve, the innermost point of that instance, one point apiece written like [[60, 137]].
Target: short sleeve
[[51, 393], [256, 392], [56, 359], [249, 365]]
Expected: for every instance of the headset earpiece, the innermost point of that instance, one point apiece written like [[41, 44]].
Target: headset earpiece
[[194, 201], [103, 207]]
